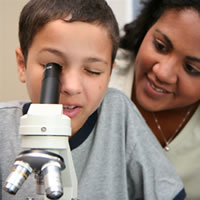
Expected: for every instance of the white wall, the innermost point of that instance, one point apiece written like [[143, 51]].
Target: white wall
[[123, 10], [10, 87]]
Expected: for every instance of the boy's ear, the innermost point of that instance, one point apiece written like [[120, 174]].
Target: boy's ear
[[21, 68]]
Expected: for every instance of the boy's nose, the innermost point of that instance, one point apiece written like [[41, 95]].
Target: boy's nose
[[166, 71], [70, 82]]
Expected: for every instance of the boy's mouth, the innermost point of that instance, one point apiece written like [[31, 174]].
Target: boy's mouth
[[69, 107], [71, 111]]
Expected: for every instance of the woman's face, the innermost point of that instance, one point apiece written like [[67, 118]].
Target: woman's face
[[167, 71]]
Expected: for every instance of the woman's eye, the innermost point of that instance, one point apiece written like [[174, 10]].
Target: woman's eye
[[160, 46], [191, 70]]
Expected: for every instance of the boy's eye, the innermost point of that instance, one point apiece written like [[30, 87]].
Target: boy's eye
[[191, 70], [160, 47], [44, 65], [92, 72]]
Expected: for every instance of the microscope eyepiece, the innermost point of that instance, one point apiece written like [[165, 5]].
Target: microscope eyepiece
[[50, 84]]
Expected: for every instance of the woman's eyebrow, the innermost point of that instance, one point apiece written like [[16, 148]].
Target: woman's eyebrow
[[166, 38], [193, 58]]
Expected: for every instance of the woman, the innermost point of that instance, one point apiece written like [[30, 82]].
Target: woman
[[158, 67]]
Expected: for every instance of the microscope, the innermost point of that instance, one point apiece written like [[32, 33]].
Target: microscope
[[44, 134]]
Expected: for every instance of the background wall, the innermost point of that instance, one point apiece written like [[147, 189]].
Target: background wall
[[10, 87], [123, 10]]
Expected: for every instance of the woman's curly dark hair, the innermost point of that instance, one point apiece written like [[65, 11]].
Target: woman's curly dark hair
[[151, 11]]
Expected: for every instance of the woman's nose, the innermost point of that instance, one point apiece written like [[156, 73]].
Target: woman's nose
[[70, 82], [166, 71]]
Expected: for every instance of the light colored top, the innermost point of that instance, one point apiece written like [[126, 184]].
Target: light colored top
[[185, 148], [185, 156], [122, 74], [119, 160]]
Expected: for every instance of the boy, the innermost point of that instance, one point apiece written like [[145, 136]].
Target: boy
[[115, 155]]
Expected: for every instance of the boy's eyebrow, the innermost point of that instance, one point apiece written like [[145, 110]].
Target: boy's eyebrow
[[53, 51], [59, 53], [166, 38]]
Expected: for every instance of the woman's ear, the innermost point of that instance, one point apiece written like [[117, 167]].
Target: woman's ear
[[21, 67]]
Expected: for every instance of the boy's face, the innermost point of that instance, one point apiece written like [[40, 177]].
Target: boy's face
[[84, 51]]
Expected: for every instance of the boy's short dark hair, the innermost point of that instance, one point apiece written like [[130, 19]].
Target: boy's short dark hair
[[37, 13], [150, 13]]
